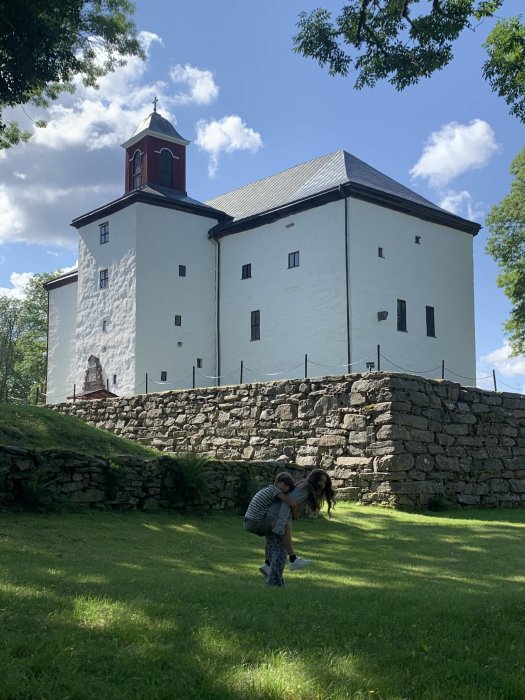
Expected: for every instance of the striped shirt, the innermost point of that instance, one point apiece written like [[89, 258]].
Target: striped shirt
[[260, 503]]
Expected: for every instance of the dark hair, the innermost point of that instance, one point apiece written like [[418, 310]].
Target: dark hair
[[285, 478], [317, 495]]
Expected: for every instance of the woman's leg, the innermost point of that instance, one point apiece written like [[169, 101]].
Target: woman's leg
[[277, 554]]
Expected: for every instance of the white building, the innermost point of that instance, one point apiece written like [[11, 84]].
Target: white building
[[329, 259]]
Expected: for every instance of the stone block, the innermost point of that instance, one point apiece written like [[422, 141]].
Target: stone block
[[395, 462], [354, 422], [393, 432], [466, 499]]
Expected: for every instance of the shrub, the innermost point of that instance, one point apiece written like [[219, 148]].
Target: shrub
[[186, 479]]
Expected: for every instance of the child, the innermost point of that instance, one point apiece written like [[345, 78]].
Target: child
[[258, 522]]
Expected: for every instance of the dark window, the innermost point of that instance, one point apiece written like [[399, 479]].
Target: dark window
[[380, 253], [256, 325], [431, 326], [246, 271], [182, 270], [166, 168], [104, 279], [137, 170], [163, 376], [114, 379], [293, 259], [401, 315], [178, 320], [199, 362], [104, 326], [417, 240], [104, 233]]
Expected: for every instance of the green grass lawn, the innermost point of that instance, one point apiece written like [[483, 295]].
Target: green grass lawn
[[395, 606]]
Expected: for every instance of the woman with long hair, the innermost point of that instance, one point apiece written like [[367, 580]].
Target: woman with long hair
[[309, 494]]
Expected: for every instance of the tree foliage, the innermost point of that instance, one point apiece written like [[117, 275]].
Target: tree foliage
[[506, 244], [403, 41], [45, 46]]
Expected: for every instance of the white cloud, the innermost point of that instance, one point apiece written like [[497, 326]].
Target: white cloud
[[461, 203], [501, 360], [455, 149], [20, 176], [202, 88], [18, 281], [12, 219], [225, 135]]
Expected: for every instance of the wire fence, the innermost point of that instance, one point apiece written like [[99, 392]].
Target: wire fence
[[245, 375]]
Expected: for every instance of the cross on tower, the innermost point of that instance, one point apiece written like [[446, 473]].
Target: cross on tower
[[155, 105]]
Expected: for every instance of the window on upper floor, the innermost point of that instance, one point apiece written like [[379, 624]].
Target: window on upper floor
[[293, 259], [431, 324], [163, 376], [104, 279], [417, 240], [199, 362], [166, 168], [380, 253], [255, 325], [104, 326], [178, 320], [137, 170], [246, 272], [401, 315], [182, 270], [104, 232], [114, 379]]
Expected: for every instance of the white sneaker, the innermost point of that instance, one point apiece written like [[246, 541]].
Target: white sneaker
[[299, 564], [265, 570]]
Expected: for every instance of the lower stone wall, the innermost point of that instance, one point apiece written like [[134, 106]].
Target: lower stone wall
[[386, 438], [45, 479]]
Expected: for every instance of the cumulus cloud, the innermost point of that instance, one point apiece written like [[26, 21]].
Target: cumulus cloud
[[12, 218], [455, 149], [502, 360], [18, 281], [225, 135], [201, 86], [462, 204]]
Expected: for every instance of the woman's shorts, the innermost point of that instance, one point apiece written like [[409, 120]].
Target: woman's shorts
[[261, 527]]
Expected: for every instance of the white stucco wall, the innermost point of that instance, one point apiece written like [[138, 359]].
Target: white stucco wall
[[115, 347], [438, 272], [166, 239], [61, 342], [303, 309]]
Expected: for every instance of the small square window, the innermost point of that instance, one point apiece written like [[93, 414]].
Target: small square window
[[293, 259], [104, 232], [163, 376], [246, 271], [199, 362], [114, 379], [104, 279], [182, 270], [255, 325], [380, 253], [417, 240], [178, 320]]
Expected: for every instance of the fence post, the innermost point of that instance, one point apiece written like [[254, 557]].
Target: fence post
[[107, 383], [379, 358], [242, 371], [305, 365], [146, 382], [74, 393], [193, 376], [442, 369], [494, 379], [37, 391]]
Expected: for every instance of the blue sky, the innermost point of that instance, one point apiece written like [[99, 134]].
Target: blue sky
[[226, 75]]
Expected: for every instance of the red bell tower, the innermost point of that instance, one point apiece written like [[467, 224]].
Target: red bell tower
[[156, 155]]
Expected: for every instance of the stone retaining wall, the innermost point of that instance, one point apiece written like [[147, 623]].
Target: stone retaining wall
[[391, 439], [44, 479]]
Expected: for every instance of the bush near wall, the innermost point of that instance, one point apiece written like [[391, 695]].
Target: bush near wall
[[386, 438], [51, 480]]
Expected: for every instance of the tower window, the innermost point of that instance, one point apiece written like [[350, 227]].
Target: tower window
[[178, 320], [417, 240], [182, 270], [246, 272], [137, 170], [401, 315], [199, 362], [104, 279], [163, 376], [380, 253], [255, 325], [104, 232], [104, 326], [431, 326], [166, 168], [114, 379], [293, 259]]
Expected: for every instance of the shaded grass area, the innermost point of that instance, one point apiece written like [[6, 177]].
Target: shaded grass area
[[37, 428], [160, 606]]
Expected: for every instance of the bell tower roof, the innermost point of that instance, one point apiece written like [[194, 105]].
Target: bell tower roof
[[156, 125]]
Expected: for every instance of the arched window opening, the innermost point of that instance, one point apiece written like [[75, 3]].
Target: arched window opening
[[137, 170], [166, 168]]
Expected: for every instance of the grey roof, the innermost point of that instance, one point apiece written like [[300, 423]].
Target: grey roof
[[308, 179], [175, 196], [154, 122]]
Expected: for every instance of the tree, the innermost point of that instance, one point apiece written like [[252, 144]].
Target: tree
[[10, 328], [45, 46], [506, 244], [406, 40]]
